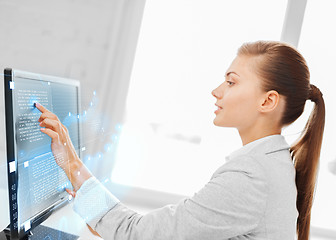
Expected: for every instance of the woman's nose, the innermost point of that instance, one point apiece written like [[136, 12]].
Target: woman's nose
[[215, 93]]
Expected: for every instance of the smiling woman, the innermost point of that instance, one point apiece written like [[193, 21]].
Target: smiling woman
[[261, 173], [238, 98]]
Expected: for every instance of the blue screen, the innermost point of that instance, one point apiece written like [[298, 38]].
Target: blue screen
[[41, 182]]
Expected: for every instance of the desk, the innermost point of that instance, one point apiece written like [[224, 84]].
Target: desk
[[66, 220]]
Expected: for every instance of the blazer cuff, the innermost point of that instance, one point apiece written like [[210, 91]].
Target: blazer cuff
[[93, 201]]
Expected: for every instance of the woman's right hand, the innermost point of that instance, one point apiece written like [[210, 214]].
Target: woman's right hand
[[62, 148], [61, 144]]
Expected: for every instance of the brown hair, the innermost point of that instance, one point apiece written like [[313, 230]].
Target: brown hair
[[284, 70]]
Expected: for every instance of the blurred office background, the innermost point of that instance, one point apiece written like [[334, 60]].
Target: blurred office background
[[147, 69]]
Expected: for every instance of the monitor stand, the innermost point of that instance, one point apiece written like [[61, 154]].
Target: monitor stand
[[42, 233]]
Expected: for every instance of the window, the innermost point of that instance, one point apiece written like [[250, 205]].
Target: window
[[168, 142]]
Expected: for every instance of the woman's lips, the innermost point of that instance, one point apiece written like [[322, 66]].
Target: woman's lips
[[218, 109]]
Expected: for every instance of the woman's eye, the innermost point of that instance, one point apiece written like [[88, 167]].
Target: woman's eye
[[230, 83]]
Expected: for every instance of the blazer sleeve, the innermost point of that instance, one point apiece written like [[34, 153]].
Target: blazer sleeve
[[231, 204]]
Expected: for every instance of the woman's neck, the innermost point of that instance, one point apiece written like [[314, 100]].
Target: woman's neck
[[253, 134]]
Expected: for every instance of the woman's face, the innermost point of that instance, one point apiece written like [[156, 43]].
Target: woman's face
[[239, 96]]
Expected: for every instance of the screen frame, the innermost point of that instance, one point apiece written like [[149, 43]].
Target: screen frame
[[9, 78]]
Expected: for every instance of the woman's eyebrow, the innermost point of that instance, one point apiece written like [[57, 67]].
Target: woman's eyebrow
[[230, 73]]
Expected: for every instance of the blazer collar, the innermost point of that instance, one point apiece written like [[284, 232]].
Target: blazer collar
[[268, 144]]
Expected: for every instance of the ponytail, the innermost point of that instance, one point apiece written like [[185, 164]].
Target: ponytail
[[306, 154]]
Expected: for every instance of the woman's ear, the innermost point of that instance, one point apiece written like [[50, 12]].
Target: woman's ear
[[270, 101]]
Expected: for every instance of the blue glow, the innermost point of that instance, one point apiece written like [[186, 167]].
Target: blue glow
[[99, 156], [118, 127], [87, 158], [32, 101], [60, 188], [108, 147], [114, 137], [22, 153], [68, 184], [69, 120], [89, 115], [73, 117]]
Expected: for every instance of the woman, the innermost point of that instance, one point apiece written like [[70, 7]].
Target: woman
[[263, 191]]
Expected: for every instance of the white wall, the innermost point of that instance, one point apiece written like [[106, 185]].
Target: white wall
[[92, 41]]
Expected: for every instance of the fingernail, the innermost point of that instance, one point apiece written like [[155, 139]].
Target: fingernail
[[37, 104]]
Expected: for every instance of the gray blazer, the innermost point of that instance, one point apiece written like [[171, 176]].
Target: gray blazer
[[252, 196]]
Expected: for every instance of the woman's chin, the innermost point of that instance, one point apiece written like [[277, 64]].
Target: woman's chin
[[217, 123], [222, 123]]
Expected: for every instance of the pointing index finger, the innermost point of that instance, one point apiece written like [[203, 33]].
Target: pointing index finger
[[40, 107]]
